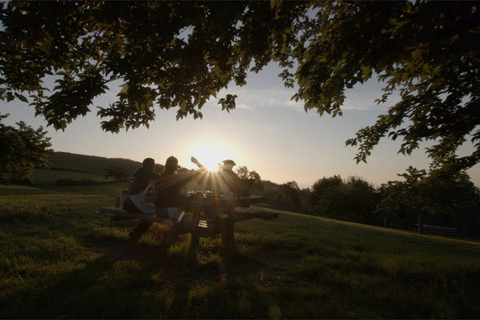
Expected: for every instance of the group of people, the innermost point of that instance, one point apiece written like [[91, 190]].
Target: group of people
[[167, 188]]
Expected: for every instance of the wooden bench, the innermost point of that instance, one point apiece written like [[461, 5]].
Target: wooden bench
[[204, 228], [4, 182], [445, 231]]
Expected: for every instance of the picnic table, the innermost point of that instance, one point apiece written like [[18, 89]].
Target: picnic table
[[211, 215]]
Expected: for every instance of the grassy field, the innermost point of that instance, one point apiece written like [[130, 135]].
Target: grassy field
[[60, 259]]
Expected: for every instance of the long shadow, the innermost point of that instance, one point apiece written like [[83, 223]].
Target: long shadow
[[241, 270], [77, 294], [229, 297], [186, 275], [60, 300]]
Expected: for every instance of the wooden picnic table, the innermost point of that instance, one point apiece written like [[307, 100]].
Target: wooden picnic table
[[211, 206], [211, 215]]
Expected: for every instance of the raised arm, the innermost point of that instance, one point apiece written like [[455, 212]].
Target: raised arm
[[199, 165]]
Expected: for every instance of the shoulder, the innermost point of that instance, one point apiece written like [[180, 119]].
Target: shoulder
[[142, 172], [230, 173], [154, 176], [163, 177]]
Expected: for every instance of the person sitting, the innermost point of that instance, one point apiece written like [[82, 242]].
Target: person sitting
[[135, 201], [168, 188], [228, 180]]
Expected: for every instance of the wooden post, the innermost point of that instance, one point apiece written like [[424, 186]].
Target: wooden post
[[197, 208], [229, 228], [195, 241]]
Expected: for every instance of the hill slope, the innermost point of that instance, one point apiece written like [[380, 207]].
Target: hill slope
[[89, 164], [65, 165]]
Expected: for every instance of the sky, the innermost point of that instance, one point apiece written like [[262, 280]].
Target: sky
[[267, 132]]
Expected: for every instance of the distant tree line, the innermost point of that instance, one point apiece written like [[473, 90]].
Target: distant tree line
[[421, 198]]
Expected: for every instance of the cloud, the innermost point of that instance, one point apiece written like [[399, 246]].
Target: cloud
[[265, 98], [362, 97]]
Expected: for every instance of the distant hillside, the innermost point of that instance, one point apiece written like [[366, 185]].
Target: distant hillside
[[89, 164]]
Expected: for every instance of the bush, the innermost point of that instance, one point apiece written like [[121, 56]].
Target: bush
[[24, 181], [350, 200]]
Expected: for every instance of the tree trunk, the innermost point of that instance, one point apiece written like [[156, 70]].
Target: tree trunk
[[420, 228]]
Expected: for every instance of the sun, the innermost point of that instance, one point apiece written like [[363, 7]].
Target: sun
[[210, 155]]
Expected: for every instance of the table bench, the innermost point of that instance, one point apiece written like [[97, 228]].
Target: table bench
[[205, 227], [235, 209], [445, 231]]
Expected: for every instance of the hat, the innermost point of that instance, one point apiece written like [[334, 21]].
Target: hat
[[229, 162]]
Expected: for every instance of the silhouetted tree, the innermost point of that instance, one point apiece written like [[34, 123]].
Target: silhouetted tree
[[181, 54], [287, 196], [322, 187], [21, 149], [117, 173], [242, 172], [352, 200], [254, 175], [452, 196]]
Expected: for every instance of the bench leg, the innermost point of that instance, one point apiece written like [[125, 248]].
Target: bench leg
[[139, 231], [195, 241], [228, 226]]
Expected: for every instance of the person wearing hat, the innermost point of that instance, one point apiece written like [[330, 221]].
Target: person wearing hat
[[227, 178]]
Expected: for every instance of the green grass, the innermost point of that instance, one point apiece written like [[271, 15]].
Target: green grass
[[47, 178], [60, 259]]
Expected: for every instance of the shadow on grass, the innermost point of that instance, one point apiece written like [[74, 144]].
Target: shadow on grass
[[119, 284], [218, 289], [63, 296]]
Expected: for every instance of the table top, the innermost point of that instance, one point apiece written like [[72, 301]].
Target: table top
[[212, 200]]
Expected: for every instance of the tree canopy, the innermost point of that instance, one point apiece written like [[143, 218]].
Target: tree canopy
[[176, 54], [117, 173]]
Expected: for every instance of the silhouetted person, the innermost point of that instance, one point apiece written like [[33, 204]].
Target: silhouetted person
[[135, 201], [227, 178], [168, 188]]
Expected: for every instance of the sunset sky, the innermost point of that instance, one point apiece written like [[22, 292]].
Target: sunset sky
[[266, 132]]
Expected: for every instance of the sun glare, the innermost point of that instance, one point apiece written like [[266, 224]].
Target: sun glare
[[210, 156]]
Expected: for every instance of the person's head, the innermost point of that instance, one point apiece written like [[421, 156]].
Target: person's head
[[149, 163], [228, 164], [171, 165]]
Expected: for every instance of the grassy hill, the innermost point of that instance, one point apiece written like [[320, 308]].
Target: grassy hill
[[62, 260], [66, 165], [90, 164]]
